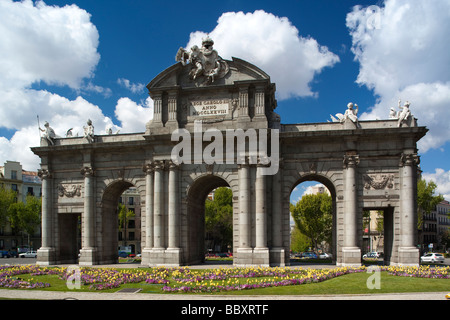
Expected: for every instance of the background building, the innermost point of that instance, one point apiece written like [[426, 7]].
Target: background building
[[129, 234], [435, 228], [13, 177]]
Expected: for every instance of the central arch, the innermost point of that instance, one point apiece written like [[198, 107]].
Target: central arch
[[195, 204], [331, 188]]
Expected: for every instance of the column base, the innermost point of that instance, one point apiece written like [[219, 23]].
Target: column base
[[155, 257], [261, 257], [243, 257], [46, 256], [252, 257], [146, 256], [88, 257], [351, 257], [277, 257], [173, 257], [408, 256]]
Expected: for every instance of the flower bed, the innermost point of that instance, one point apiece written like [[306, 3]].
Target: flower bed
[[197, 281]]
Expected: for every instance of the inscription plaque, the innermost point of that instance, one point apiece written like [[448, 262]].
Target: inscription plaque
[[205, 108]]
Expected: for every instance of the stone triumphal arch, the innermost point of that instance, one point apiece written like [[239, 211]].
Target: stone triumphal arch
[[214, 125]]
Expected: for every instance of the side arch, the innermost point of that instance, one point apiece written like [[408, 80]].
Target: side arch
[[195, 194], [107, 241]]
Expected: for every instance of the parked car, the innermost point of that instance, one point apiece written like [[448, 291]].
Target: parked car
[[432, 257], [309, 255], [325, 256], [371, 255], [28, 254]]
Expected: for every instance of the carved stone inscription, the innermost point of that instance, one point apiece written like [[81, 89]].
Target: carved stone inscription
[[205, 108]]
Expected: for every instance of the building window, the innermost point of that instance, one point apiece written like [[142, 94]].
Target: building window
[[13, 174], [30, 191]]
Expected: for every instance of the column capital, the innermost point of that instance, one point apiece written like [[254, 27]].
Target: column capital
[[158, 165], [44, 174], [148, 168], [351, 160], [87, 171], [409, 159], [171, 165]]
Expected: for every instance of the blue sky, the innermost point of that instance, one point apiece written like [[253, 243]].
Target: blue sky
[[67, 61]]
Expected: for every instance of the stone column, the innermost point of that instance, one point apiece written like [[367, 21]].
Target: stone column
[[174, 223], [351, 252], [259, 101], [46, 254], [87, 253], [158, 233], [172, 106], [157, 110], [277, 251], [243, 104], [148, 169], [260, 203], [261, 251], [408, 252], [244, 250]]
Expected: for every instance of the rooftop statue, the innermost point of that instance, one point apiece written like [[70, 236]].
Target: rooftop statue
[[49, 133], [89, 131], [405, 114], [351, 114], [205, 61]]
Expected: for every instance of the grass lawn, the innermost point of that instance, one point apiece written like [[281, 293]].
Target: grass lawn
[[356, 283]]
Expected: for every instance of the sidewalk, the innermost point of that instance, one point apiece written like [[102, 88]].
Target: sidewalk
[[74, 295]]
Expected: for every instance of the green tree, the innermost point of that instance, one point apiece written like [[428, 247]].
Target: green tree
[[313, 217], [299, 242], [7, 198], [26, 216], [426, 199], [124, 216], [219, 218]]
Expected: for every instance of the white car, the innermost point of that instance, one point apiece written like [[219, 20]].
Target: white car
[[371, 255], [325, 256], [432, 257], [29, 254]]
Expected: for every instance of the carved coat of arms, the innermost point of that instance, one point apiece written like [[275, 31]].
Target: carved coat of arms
[[205, 61]]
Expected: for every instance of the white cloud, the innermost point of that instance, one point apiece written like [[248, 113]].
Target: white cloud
[[273, 44], [50, 44], [46, 43], [61, 113], [133, 116], [402, 49], [442, 180], [133, 87]]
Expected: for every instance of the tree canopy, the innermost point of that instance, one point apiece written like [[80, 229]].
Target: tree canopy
[[313, 217], [219, 218]]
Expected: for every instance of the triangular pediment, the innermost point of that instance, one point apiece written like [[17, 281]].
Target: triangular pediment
[[178, 76]]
